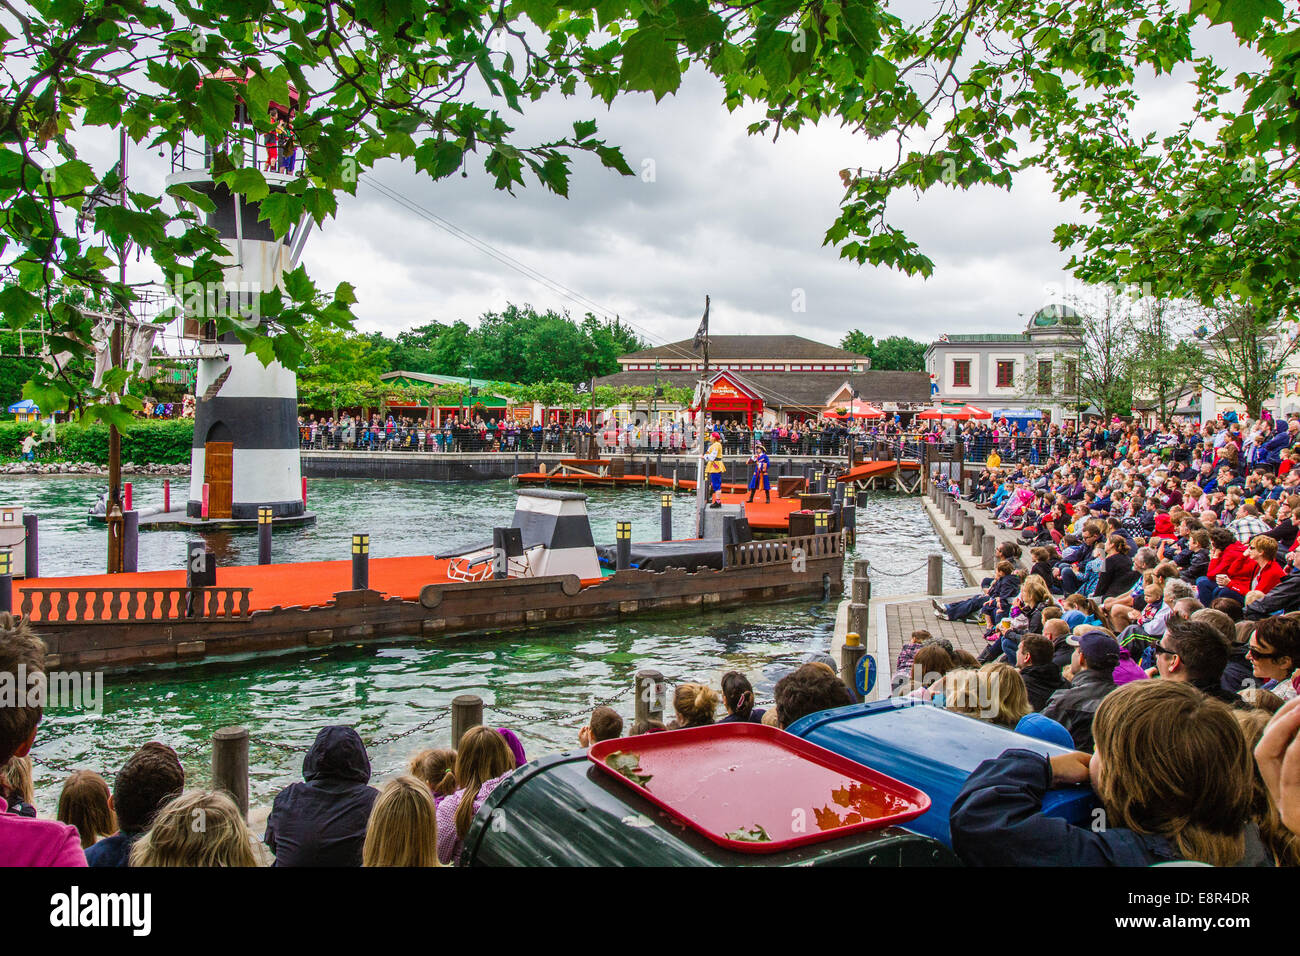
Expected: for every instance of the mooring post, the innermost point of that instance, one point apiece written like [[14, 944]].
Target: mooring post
[[851, 655], [31, 549], [860, 597], [230, 765], [934, 574], [360, 562], [849, 516], [130, 541], [977, 545], [650, 695], [6, 580], [665, 517], [167, 495], [264, 535], [466, 712], [967, 522], [832, 486], [622, 545], [988, 553]]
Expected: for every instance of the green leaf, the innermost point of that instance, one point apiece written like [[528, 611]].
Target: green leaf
[[202, 202], [281, 211], [650, 62], [248, 182], [629, 765]]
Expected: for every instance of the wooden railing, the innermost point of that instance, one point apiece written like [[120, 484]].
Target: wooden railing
[[132, 604], [754, 554]]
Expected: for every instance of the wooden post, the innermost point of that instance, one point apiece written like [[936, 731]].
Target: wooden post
[[851, 655], [988, 553], [860, 598], [230, 765], [622, 545], [31, 549], [651, 695], [466, 712], [665, 517], [977, 545], [934, 574], [967, 527], [130, 541]]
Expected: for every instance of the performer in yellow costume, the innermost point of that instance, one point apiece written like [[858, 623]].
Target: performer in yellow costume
[[715, 468]]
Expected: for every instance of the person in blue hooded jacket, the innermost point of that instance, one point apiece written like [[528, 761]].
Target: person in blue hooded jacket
[[322, 821], [1172, 771]]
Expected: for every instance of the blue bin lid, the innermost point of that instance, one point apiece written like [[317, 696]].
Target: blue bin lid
[[934, 750]]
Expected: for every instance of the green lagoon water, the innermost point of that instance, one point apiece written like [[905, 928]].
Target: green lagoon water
[[541, 683]]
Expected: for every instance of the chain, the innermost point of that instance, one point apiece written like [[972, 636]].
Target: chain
[[872, 569]]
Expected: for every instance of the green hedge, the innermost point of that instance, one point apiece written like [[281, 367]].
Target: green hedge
[[144, 443]]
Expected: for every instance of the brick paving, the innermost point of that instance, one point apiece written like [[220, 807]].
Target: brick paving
[[903, 618]]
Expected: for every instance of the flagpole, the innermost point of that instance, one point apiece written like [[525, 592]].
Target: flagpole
[[701, 479], [113, 509]]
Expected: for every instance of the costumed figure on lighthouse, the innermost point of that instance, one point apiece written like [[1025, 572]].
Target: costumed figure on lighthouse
[[715, 468], [759, 462]]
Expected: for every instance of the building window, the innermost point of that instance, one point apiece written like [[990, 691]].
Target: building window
[[1006, 374], [961, 373], [1044, 376], [1071, 377]]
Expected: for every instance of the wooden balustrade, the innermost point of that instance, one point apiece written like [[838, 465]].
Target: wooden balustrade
[[753, 554], [116, 605]]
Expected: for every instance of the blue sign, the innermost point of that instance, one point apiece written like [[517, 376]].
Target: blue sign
[[865, 679]]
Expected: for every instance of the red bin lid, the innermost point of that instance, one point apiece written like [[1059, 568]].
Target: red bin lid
[[756, 789]]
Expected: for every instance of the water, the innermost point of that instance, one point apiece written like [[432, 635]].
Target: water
[[541, 683]]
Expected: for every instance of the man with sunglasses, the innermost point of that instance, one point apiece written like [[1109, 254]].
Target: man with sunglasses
[[1193, 652]]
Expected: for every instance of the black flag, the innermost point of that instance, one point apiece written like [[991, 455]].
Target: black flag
[[702, 333]]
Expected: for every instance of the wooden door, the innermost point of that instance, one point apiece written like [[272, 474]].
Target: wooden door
[[218, 477]]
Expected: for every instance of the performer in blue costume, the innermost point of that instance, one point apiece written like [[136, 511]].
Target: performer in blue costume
[[759, 461]]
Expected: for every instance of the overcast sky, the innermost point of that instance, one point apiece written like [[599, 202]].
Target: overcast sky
[[735, 216]]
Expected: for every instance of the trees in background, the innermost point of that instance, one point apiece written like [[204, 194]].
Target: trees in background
[[895, 353]]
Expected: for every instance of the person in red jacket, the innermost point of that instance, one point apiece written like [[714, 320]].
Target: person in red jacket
[[1263, 552], [1230, 571]]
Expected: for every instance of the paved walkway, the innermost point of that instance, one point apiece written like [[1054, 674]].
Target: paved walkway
[[903, 618]]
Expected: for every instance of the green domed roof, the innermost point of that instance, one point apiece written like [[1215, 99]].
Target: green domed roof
[[1050, 315]]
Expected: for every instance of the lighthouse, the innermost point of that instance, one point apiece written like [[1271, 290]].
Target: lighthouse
[[245, 448]]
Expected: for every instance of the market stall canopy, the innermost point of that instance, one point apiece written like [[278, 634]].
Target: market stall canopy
[[857, 409], [958, 412]]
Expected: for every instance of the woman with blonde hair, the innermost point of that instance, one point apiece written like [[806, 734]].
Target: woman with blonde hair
[[403, 827], [483, 760], [695, 705], [86, 803], [1006, 694], [198, 828], [1172, 772]]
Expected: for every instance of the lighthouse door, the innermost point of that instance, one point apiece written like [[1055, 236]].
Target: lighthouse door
[[217, 476]]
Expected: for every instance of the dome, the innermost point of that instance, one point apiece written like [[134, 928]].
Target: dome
[[1052, 315]]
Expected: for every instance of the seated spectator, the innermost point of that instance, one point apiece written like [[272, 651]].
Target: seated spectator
[[647, 725], [1285, 595], [903, 665], [1172, 771], [1041, 677], [86, 803], [1261, 699], [150, 778], [1278, 757], [808, 690], [25, 841], [483, 760], [996, 694], [695, 705], [403, 826], [1230, 571], [1057, 632], [173, 839], [1282, 845], [1044, 728], [515, 744], [1092, 668], [605, 724], [1238, 672], [322, 821], [1274, 652], [931, 663], [17, 788], [436, 766], [1194, 652], [738, 698]]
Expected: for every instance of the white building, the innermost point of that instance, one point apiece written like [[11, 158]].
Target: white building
[[1034, 370]]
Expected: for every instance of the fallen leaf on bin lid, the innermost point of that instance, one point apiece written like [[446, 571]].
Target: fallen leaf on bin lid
[[629, 765], [754, 834], [638, 820]]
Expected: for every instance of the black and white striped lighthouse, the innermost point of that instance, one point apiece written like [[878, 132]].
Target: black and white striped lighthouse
[[245, 450]]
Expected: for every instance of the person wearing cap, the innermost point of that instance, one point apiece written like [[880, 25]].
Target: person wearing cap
[[759, 461], [714, 468], [1093, 663]]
